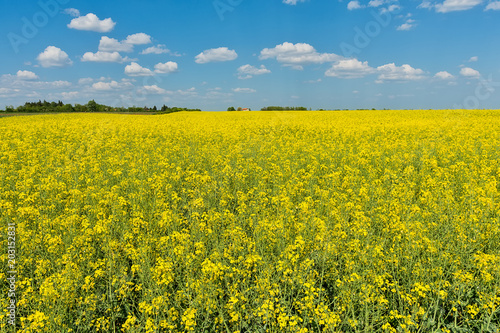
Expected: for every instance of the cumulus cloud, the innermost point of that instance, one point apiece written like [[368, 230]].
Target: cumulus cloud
[[101, 56], [26, 75], [391, 5], [29, 80], [350, 69], [154, 89], [390, 9], [69, 94], [293, 2], [456, 5], [313, 81], [8, 92], [159, 49], [473, 59], [426, 4], [54, 57], [111, 85], [297, 55], [134, 69], [244, 90], [376, 3], [216, 55], [105, 85], [187, 92], [85, 80], [165, 68], [91, 22], [408, 25], [443, 75], [353, 69], [107, 44], [138, 39], [352, 5], [470, 73], [72, 11], [494, 5], [391, 72], [248, 71]]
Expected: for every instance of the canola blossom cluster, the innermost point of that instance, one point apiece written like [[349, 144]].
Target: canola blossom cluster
[[380, 221]]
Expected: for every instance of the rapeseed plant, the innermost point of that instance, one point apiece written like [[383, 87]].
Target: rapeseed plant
[[253, 222]]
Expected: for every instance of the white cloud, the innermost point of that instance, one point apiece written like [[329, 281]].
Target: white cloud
[[107, 44], [111, 85], [91, 22], [217, 95], [26, 75], [376, 3], [86, 80], [297, 55], [494, 5], [54, 57], [188, 92], [20, 80], [443, 75], [101, 56], [154, 89], [456, 5], [474, 59], [391, 9], [293, 2], [25, 84], [391, 72], [168, 67], [8, 92], [138, 39], [105, 85], [159, 49], [469, 72], [134, 69], [248, 71], [181, 95], [408, 25], [218, 54], [72, 11], [426, 4], [350, 69], [56, 84], [244, 90], [313, 81], [69, 94], [352, 5]]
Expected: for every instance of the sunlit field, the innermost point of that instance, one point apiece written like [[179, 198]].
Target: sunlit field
[[366, 221]]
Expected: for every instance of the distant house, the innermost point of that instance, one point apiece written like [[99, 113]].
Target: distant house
[[245, 109]]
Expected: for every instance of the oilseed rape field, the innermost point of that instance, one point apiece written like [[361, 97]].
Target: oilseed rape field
[[359, 221]]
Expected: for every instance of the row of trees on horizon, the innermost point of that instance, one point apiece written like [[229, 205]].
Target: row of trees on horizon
[[91, 106]]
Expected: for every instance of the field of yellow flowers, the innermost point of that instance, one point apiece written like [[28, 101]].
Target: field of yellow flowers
[[379, 221]]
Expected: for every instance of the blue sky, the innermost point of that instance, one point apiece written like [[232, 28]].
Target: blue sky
[[213, 54]]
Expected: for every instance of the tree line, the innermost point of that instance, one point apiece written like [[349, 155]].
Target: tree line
[[91, 106], [284, 108]]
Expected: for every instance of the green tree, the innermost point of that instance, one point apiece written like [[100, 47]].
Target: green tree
[[80, 108], [231, 108], [92, 106], [66, 108]]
